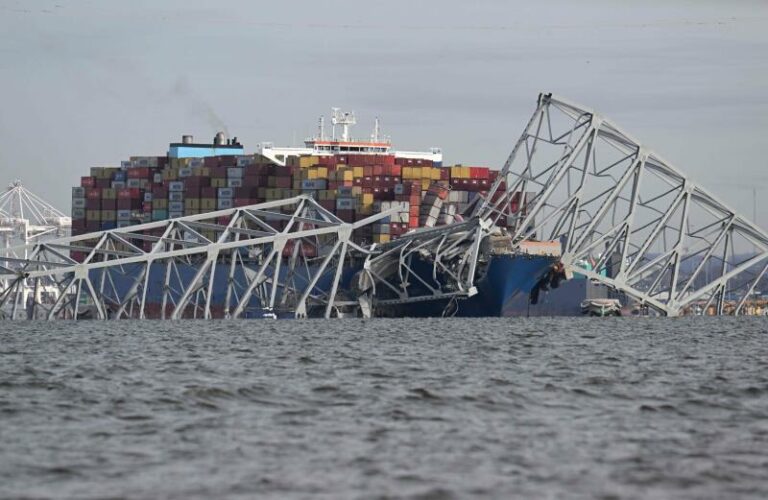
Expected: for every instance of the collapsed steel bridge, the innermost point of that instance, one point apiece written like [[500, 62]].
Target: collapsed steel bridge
[[269, 258], [647, 229], [626, 219]]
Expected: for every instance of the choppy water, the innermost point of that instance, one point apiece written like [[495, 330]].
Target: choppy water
[[607, 408]]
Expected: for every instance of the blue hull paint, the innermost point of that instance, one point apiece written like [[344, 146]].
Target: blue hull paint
[[509, 279]]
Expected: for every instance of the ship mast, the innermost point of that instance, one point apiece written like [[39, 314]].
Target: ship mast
[[345, 119]]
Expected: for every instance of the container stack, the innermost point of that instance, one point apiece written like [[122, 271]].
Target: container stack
[[352, 187]]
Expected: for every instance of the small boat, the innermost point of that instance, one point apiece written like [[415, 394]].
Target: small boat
[[601, 307]]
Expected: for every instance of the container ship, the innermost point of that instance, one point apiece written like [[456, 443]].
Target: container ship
[[351, 178]]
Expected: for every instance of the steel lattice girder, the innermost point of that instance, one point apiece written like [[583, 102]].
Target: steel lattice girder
[[452, 251], [240, 250], [646, 228]]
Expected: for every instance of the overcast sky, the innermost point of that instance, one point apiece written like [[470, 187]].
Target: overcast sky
[[89, 83]]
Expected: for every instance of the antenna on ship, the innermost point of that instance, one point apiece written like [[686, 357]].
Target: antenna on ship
[[345, 119], [321, 128], [375, 135]]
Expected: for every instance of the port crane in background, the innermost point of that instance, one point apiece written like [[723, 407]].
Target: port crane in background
[[26, 218], [654, 234], [650, 231]]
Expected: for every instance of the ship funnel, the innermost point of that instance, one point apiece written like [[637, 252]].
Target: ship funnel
[[186, 139], [219, 139]]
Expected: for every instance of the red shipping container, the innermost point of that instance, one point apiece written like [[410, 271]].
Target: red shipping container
[[357, 181], [128, 193], [346, 215], [218, 172], [146, 206], [388, 159], [223, 220], [138, 173], [93, 203], [208, 192], [396, 170], [93, 193], [341, 159], [283, 182], [414, 211], [445, 174], [368, 171], [103, 183], [108, 204], [242, 202], [378, 170], [228, 161], [413, 221], [87, 182]]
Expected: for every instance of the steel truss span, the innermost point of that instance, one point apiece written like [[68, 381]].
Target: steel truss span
[[284, 256], [645, 228]]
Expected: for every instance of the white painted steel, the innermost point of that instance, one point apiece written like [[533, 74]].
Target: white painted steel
[[649, 231]]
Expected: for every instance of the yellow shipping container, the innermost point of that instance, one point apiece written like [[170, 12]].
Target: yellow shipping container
[[381, 238], [171, 174], [308, 161], [94, 215], [108, 215], [322, 172], [465, 173], [435, 174], [347, 175], [207, 204], [160, 204], [192, 203], [358, 172], [218, 183], [108, 193], [407, 172], [367, 199], [312, 174], [211, 235]]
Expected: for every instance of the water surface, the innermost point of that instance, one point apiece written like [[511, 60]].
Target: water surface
[[545, 408]]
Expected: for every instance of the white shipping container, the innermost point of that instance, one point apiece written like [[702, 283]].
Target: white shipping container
[[234, 173], [175, 196], [175, 206], [234, 183], [224, 203], [176, 186], [78, 202]]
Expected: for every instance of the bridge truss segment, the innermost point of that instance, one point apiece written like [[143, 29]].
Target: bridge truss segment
[[627, 218], [427, 264], [278, 257]]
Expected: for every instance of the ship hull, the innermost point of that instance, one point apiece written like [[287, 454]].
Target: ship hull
[[507, 280]]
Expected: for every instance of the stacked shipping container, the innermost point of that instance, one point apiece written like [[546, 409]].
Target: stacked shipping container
[[353, 187]]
